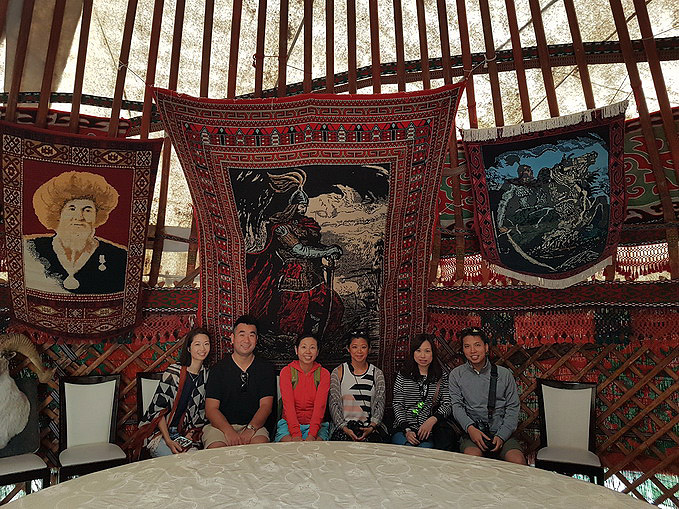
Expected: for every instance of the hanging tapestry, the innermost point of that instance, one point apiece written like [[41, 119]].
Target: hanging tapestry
[[643, 201], [76, 211], [61, 120], [549, 195], [315, 213]]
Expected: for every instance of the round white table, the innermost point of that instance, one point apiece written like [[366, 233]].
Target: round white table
[[324, 474]]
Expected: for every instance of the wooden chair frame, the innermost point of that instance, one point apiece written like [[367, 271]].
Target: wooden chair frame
[[595, 474], [86, 468]]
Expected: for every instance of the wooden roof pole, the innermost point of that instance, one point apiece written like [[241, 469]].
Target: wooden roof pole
[[236, 15], [543, 55], [158, 237], [647, 130], [467, 62], [445, 40], [424, 48], [259, 52], [659, 81], [80, 66], [351, 39], [375, 46], [308, 43], [207, 47], [400, 46], [19, 60], [491, 63], [3, 16], [123, 60], [447, 79], [154, 42], [330, 46], [579, 54], [519, 67], [281, 85], [454, 161], [208, 25], [463, 28], [50, 61], [176, 44]]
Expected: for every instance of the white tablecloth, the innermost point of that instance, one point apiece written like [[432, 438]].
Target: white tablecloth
[[331, 474]]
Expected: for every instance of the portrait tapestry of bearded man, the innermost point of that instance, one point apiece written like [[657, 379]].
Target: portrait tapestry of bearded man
[[73, 260]]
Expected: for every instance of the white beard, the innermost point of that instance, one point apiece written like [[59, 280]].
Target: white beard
[[75, 238]]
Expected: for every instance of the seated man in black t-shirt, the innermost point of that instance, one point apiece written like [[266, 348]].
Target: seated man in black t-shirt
[[240, 392]]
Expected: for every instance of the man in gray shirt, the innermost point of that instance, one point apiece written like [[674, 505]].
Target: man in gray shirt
[[469, 387]]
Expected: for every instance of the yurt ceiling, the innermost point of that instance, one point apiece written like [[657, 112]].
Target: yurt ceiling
[[369, 45]]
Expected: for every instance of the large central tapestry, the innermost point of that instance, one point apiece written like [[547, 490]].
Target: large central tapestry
[[549, 196], [314, 213]]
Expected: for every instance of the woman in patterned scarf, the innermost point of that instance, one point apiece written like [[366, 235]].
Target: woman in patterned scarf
[[175, 418]]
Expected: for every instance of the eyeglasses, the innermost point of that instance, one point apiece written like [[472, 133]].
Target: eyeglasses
[[244, 381]]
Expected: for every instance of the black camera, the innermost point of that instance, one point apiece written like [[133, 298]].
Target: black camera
[[485, 429], [356, 427]]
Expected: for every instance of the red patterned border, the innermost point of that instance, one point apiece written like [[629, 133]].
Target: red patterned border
[[642, 294]]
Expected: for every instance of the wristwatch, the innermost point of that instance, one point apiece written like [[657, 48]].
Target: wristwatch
[[407, 430], [250, 426]]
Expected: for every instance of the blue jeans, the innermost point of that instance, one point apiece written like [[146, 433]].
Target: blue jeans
[[399, 438], [163, 449], [282, 430]]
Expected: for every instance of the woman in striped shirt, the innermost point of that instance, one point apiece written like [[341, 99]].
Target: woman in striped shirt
[[357, 395], [421, 398]]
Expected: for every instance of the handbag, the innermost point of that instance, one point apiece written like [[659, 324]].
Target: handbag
[[446, 433]]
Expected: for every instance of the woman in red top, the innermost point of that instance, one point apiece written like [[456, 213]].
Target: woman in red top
[[304, 387]]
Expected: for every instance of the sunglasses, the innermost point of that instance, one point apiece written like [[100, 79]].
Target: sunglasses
[[244, 376]]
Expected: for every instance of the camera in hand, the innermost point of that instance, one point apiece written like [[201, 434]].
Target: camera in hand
[[356, 427], [484, 428]]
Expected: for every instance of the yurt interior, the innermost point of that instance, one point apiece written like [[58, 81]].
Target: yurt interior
[[389, 173]]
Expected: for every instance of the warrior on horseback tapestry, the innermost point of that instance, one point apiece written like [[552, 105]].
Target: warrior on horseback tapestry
[[550, 202]]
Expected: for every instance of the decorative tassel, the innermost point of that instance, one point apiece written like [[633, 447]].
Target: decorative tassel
[[495, 133]]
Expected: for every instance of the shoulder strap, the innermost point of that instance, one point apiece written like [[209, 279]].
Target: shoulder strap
[[436, 393], [294, 376], [492, 392], [317, 376]]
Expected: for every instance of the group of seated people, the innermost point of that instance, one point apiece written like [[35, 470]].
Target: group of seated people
[[230, 403]]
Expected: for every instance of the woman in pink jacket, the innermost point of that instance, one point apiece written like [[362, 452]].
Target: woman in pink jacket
[[304, 387]]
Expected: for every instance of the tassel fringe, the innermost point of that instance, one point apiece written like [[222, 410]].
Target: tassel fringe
[[497, 133]]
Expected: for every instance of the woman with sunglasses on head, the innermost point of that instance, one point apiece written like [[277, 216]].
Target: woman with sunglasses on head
[[357, 395], [421, 396], [304, 387], [175, 417]]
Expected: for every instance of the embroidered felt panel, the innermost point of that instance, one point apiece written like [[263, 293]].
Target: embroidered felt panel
[[76, 211], [315, 213], [550, 195], [643, 200]]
